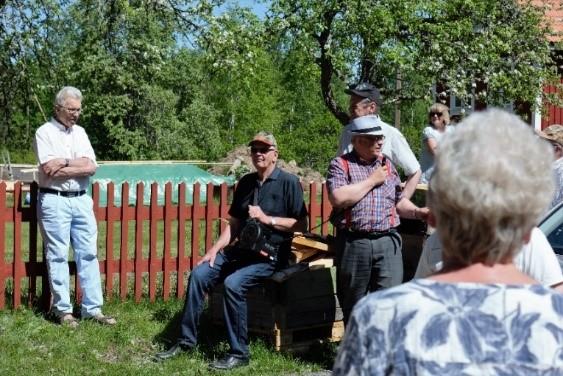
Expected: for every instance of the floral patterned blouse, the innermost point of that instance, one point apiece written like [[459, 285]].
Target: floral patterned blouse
[[427, 327]]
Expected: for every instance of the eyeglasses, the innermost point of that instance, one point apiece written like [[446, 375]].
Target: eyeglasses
[[436, 113], [261, 150], [71, 110]]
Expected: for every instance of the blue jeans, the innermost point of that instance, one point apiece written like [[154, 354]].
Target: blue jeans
[[365, 265], [68, 221], [239, 271]]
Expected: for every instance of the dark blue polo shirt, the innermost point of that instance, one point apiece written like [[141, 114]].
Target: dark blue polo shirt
[[281, 195]]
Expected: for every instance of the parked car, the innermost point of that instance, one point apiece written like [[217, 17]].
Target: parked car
[[552, 227]]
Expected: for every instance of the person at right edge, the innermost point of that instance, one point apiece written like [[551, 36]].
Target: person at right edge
[[554, 135]]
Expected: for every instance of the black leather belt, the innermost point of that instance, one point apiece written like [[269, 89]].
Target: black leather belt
[[62, 193], [368, 235]]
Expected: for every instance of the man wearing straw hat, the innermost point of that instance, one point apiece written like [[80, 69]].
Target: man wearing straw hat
[[365, 186]]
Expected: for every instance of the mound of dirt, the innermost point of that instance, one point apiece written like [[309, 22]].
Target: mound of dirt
[[238, 162]]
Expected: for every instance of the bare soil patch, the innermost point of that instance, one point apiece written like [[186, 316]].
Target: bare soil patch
[[239, 163]]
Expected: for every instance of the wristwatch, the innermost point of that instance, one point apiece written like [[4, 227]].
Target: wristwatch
[[272, 221], [67, 162]]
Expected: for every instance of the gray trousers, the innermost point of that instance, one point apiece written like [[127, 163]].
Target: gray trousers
[[366, 264]]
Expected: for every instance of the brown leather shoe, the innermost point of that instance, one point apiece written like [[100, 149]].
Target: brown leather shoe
[[67, 319]]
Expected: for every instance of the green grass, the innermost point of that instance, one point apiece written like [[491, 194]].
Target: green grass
[[32, 345]]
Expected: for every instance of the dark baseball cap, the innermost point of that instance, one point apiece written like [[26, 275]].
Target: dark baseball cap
[[365, 90]]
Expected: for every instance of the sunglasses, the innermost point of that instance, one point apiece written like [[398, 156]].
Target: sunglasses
[[371, 138], [70, 110], [261, 150], [439, 114]]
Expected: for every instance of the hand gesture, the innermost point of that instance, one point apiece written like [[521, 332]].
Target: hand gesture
[[422, 213], [54, 165], [378, 176], [254, 211], [209, 256]]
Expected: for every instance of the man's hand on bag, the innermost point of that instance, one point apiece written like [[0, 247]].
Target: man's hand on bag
[[254, 211]]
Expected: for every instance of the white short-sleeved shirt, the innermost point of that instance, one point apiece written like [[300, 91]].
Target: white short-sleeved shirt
[[53, 140], [426, 157], [537, 259], [395, 147]]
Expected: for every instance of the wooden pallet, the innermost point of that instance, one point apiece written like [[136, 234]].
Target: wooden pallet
[[301, 339], [293, 314], [304, 248]]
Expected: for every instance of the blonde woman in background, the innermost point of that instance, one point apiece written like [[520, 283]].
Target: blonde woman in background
[[439, 120]]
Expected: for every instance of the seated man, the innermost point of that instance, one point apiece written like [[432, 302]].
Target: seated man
[[536, 258], [274, 199]]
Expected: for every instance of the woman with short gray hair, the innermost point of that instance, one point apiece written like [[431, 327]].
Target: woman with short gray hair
[[479, 315]]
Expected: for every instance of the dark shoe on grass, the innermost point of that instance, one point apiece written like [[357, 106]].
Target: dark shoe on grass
[[229, 362], [100, 318], [175, 350], [67, 319]]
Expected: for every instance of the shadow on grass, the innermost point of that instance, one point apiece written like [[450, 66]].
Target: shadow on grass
[[212, 339], [322, 353]]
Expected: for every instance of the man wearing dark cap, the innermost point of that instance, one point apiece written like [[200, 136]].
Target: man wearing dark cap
[[271, 199], [554, 134], [364, 185], [365, 99]]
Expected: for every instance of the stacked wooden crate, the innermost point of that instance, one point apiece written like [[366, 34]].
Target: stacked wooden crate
[[298, 306]]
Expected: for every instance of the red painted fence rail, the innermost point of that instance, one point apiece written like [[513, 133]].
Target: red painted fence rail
[[142, 263]]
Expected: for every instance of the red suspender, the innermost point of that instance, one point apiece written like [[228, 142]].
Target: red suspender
[[393, 208], [347, 211]]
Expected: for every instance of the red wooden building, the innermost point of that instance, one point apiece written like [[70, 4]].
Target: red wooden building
[[551, 114]]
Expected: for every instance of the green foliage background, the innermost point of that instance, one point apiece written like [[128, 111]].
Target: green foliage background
[[192, 79]]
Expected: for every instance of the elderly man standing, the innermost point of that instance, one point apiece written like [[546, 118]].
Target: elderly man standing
[[366, 187], [270, 199], [365, 99], [66, 161]]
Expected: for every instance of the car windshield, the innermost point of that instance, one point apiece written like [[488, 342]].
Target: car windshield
[[552, 227]]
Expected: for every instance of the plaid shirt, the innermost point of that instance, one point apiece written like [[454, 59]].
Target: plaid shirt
[[376, 210]]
